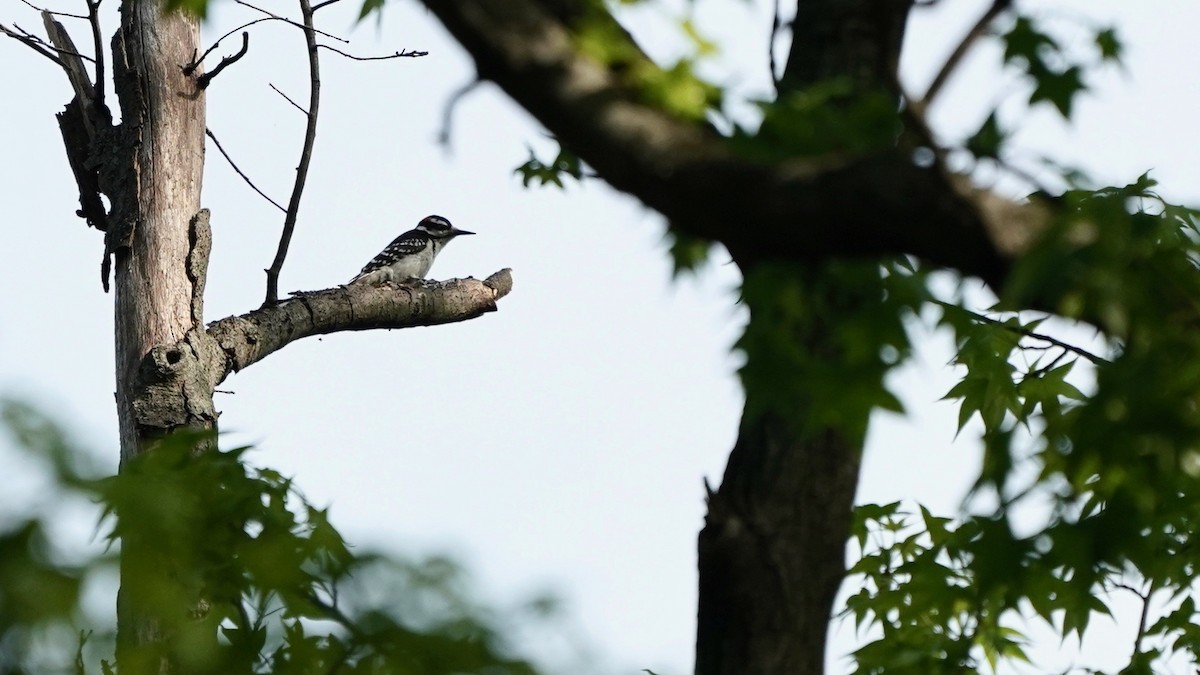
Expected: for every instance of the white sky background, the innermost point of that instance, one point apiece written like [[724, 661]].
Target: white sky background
[[559, 443]]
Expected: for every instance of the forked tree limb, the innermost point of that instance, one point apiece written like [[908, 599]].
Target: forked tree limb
[[310, 137]]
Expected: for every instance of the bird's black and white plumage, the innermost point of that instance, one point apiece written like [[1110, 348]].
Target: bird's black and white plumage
[[410, 255]]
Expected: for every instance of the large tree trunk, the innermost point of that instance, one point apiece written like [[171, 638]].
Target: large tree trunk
[[772, 551]]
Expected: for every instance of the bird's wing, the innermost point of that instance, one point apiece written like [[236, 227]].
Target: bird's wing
[[408, 243]]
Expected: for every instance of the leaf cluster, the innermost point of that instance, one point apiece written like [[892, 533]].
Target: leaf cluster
[[820, 340], [228, 568]]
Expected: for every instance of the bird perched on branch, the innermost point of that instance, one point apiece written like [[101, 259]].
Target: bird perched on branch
[[410, 255]]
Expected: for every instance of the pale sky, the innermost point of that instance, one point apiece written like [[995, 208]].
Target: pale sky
[[561, 442]]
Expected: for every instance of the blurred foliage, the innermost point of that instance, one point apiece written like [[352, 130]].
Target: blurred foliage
[[565, 165], [268, 584], [821, 338]]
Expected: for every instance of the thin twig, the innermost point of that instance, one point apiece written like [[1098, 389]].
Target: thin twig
[[306, 29], [204, 79], [310, 137], [407, 53], [41, 45], [33, 44], [963, 47], [448, 110], [287, 98], [98, 47], [775, 23], [191, 67], [240, 172], [1026, 332], [66, 14], [319, 5]]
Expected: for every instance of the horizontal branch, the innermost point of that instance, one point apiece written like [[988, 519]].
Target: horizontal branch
[[251, 337], [799, 209]]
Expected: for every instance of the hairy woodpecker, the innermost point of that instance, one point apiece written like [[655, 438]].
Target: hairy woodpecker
[[410, 255]]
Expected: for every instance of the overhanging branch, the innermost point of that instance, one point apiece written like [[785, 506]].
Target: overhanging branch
[[801, 209], [249, 338]]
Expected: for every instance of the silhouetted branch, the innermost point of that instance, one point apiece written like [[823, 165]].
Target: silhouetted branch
[[240, 172], [407, 53], [307, 29], [98, 49], [32, 41], [963, 47], [287, 98], [191, 67], [204, 79], [448, 110], [310, 137], [319, 5], [47, 11]]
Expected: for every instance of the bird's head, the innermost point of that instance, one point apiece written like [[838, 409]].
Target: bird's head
[[439, 228]]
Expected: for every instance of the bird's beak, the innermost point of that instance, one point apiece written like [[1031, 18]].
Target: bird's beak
[[456, 232]]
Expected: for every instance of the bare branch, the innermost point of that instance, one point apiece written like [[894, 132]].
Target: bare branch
[[310, 137], [240, 172], [963, 47], [326, 3], [191, 67], [306, 29], [247, 339], [66, 14], [407, 53], [208, 77], [98, 49], [57, 50], [287, 98], [33, 43], [448, 110]]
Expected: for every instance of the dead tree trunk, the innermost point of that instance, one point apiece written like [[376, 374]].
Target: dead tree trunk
[[159, 270], [158, 242]]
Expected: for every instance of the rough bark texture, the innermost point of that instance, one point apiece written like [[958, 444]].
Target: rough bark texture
[[246, 339], [771, 554], [162, 145]]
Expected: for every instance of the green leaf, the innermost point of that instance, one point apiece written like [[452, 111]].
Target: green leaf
[[195, 7], [1109, 45], [688, 253], [1025, 41], [565, 163], [988, 141], [369, 7], [1058, 88]]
